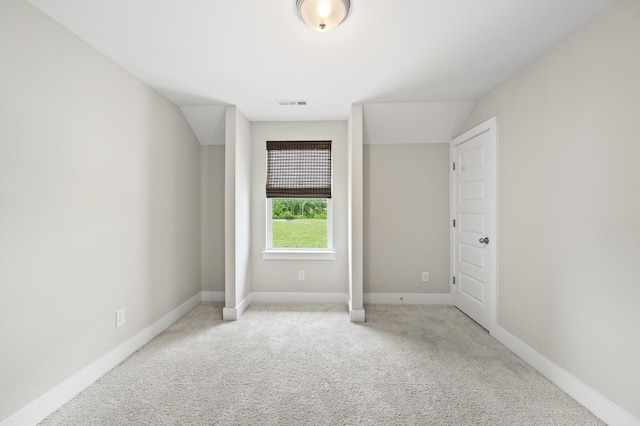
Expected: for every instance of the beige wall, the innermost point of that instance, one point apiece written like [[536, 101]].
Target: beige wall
[[568, 209], [406, 218], [99, 205], [212, 168], [281, 275]]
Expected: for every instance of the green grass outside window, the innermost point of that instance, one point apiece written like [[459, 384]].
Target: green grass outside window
[[299, 233]]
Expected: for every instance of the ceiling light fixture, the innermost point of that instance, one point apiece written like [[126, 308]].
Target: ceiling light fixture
[[323, 15]]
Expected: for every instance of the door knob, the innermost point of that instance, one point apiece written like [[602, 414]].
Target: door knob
[[484, 240]]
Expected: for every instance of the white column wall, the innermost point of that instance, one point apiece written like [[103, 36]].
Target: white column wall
[[237, 213], [355, 214]]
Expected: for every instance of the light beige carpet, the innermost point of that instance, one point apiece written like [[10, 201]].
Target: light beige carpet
[[307, 364]]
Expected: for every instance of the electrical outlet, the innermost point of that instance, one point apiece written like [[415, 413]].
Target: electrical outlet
[[425, 277], [120, 318], [300, 275]]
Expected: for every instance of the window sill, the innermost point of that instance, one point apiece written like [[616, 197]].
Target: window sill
[[299, 255]]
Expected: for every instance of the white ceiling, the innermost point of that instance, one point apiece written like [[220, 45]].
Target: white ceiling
[[251, 53]]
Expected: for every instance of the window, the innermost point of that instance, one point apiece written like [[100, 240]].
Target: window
[[298, 194]]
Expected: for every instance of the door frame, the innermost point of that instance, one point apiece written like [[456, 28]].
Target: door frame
[[489, 126]]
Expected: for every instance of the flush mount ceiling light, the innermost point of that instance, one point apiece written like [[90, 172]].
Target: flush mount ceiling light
[[323, 15]]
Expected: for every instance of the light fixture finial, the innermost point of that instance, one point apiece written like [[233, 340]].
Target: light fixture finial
[[323, 15]]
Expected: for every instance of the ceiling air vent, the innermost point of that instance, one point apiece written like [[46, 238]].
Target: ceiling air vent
[[291, 103]]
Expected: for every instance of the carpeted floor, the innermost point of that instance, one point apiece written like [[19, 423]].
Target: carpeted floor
[[291, 364]]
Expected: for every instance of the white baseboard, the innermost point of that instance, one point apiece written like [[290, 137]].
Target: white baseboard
[[37, 410], [213, 296], [232, 314], [407, 299], [589, 398], [356, 315], [277, 297]]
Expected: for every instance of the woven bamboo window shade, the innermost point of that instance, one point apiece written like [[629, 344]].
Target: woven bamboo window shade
[[298, 169]]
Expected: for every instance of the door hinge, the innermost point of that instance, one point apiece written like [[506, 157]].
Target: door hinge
[[454, 280], [454, 223], [454, 166]]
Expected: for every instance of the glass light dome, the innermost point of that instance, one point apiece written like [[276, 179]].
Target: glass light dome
[[323, 15]]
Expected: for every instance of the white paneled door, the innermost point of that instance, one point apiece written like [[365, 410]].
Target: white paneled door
[[473, 203]]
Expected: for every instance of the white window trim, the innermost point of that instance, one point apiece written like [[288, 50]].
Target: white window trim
[[298, 254], [271, 253]]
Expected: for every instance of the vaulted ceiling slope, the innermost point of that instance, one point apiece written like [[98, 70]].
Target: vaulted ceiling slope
[[252, 53]]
